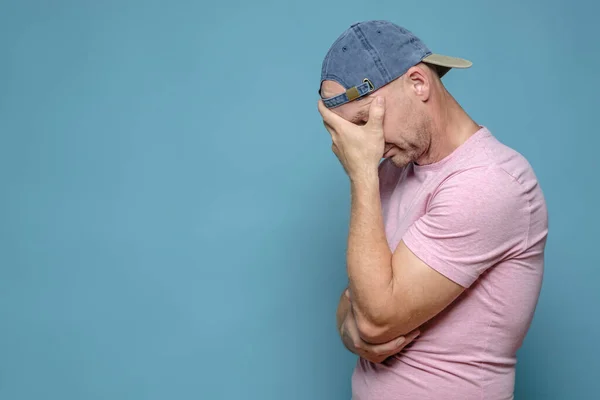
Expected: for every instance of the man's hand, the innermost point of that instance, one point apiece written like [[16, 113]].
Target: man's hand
[[375, 353], [359, 148]]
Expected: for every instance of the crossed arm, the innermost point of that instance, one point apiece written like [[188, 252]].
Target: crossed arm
[[393, 293]]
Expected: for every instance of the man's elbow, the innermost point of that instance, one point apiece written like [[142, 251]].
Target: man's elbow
[[381, 329], [370, 332]]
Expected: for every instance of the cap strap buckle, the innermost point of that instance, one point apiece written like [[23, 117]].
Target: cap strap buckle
[[349, 95]]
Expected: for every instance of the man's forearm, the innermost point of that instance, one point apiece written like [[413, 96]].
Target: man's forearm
[[369, 258]]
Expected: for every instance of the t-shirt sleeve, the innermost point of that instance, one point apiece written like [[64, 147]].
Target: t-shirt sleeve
[[474, 220]]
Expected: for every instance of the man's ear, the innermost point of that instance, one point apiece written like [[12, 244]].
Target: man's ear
[[420, 82]]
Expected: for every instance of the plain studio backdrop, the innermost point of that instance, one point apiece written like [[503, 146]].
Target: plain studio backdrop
[[173, 222]]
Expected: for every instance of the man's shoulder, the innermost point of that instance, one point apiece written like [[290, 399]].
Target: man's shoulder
[[493, 177], [491, 158]]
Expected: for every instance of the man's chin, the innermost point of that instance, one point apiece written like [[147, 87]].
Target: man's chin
[[399, 160]]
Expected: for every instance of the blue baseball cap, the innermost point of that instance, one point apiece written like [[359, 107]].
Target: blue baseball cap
[[371, 54]]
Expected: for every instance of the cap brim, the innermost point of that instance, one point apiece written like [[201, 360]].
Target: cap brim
[[447, 61]]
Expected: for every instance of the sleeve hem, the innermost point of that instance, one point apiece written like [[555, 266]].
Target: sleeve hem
[[421, 251]]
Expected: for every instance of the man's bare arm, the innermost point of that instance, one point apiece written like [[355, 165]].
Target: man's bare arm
[[392, 293]]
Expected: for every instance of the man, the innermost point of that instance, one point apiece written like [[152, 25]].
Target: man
[[447, 233]]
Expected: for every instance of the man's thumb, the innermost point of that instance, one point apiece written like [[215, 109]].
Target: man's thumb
[[377, 111]]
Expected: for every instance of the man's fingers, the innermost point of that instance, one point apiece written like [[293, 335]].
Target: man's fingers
[[405, 340], [394, 346], [329, 117], [376, 113], [329, 128], [389, 348]]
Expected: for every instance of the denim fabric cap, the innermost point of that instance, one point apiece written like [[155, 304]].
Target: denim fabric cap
[[371, 54]]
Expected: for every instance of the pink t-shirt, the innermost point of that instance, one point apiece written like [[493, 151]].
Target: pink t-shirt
[[478, 217]]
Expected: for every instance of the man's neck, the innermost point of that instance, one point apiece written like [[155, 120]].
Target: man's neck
[[451, 128]]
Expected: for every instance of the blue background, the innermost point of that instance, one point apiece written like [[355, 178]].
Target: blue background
[[173, 222]]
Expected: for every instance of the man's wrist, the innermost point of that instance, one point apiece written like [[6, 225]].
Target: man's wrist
[[365, 177]]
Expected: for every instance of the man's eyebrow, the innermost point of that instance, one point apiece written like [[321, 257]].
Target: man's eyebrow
[[356, 119], [359, 116]]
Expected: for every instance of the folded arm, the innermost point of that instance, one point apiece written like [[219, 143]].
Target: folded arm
[[392, 293], [469, 226], [351, 339]]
